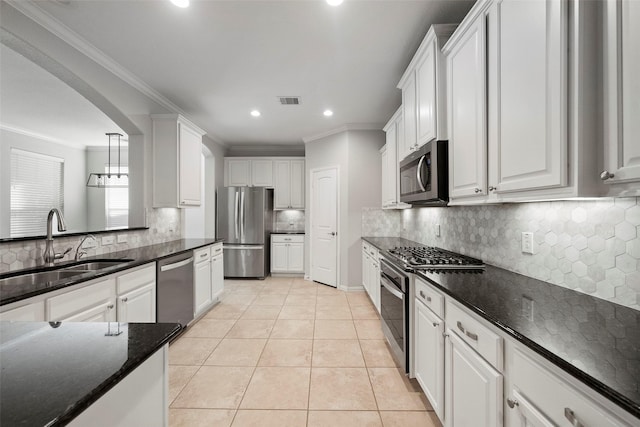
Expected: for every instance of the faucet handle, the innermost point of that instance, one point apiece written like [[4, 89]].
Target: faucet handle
[[61, 255]]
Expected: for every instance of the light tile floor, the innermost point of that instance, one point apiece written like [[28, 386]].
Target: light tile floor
[[289, 352]]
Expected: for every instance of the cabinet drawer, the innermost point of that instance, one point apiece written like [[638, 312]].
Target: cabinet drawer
[[287, 238], [429, 297], [478, 336], [202, 254], [216, 250], [135, 279], [557, 401], [370, 250], [64, 305]]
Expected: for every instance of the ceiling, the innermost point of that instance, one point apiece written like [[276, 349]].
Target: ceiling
[[218, 60], [36, 103]]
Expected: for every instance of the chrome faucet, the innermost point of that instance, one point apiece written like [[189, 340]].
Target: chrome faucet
[[79, 250], [49, 255]]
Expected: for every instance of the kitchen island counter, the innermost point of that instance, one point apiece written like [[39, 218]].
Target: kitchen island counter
[[50, 372]]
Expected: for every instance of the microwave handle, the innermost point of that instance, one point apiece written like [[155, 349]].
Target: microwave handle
[[419, 175]]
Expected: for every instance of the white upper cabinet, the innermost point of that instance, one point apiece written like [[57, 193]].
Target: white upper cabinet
[[289, 184], [528, 95], [423, 92], [621, 97], [389, 158], [177, 151], [248, 172], [522, 92]]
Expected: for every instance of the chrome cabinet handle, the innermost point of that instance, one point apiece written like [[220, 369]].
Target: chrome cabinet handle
[[512, 403], [571, 416], [436, 324], [110, 306], [477, 190], [287, 240], [605, 175], [419, 175], [428, 299], [492, 188], [422, 294], [125, 299], [203, 255], [467, 333]]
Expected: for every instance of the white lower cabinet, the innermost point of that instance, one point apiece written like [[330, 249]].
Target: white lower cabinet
[[137, 295], [538, 397], [217, 271], [287, 253], [473, 387], [429, 360], [92, 303], [202, 280], [31, 311], [371, 273]]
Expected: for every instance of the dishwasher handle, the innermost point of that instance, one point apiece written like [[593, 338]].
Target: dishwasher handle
[[176, 264]]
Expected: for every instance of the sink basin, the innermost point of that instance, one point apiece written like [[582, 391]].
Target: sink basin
[[36, 278], [60, 273], [95, 264]]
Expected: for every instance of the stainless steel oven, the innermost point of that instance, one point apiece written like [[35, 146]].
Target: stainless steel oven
[[394, 310], [424, 176]]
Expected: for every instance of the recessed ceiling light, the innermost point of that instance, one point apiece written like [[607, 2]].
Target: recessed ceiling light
[[255, 113], [328, 113], [335, 2], [181, 3]]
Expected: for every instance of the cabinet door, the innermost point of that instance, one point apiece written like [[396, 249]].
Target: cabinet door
[[138, 305], [295, 257], [238, 173], [384, 185], [374, 283], [622, 91], [473, 387], [528, 95], [93, 303], [466, 95], [528, 414], [409, 114], [262, 173], [282, 184], [217, 275], [279, 257], [33, 312], [426, 91], [190, 154], [365, 270], [297, 184], [429, 356], [202, 284]]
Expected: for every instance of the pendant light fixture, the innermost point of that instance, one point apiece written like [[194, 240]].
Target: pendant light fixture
[[109, 179]]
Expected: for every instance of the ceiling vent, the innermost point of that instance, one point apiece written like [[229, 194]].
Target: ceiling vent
[[289, 100]]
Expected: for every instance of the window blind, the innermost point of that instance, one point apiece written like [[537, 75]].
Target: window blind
[[117, 201], [37, 186]]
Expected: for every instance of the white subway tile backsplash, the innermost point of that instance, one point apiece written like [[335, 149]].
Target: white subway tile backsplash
[[592, 246]]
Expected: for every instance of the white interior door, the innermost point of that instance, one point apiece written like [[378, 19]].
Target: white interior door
[[324, 214]]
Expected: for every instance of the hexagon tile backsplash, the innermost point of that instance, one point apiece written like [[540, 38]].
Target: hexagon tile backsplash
[[164, 225], [591, 246]]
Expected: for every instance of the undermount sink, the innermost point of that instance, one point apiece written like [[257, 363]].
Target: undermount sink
[[62, 272]]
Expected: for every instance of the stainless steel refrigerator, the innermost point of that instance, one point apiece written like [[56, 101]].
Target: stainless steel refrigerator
[[245, 220]]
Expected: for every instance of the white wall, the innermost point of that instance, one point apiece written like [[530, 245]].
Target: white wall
[[75, 178], [356, 154]]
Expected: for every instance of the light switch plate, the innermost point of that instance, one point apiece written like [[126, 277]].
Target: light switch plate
[[437, 228], [527, 308], [108, 240], [527, 242]]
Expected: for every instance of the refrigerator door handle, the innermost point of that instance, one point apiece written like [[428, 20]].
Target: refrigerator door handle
[[242, 215], [236, 213]]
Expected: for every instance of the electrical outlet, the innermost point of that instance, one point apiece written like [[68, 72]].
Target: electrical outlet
[[122, 238], [527, 308], [527, 242], [108, 240], [437, 229]]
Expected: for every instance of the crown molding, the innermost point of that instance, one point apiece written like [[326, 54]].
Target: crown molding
[[36, 135], [343, 128], [51, 24]]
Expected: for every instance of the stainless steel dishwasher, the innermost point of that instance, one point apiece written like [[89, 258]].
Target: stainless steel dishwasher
[[175, 289]]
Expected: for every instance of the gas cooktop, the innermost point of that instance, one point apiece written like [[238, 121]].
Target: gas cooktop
[[433, 258]]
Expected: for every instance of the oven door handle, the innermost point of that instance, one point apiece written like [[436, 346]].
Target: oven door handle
[[395, 292], [419, 174]]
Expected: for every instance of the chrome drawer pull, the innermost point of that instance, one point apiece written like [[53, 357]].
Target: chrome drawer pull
[[512, 403], [436, 324], [467, 333], [571, 416], [422, 294], [429, 299]]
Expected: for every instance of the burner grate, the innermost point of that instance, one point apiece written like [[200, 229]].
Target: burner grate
[[434, 258]]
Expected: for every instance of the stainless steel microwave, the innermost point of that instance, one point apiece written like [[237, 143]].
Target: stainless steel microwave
[[424, 176]]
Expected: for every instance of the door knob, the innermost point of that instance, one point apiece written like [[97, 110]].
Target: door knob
[[605, 175]]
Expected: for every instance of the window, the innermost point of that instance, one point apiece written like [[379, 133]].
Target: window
[[37, 186], [116, 201]]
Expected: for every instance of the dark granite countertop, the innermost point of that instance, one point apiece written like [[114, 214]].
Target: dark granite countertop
[[51, 372], [288, 232], [134, 256], [594, 340]]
